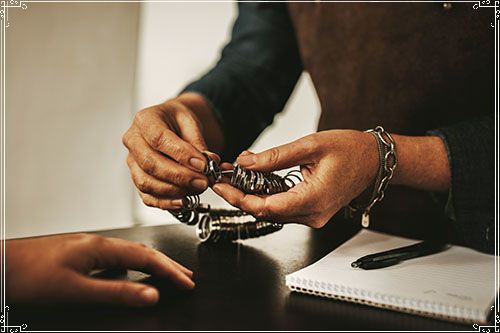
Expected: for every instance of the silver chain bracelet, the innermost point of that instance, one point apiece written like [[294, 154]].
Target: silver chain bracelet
[[388, 161]]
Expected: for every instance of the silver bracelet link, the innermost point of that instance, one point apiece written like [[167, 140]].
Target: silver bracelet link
[[388, 162]]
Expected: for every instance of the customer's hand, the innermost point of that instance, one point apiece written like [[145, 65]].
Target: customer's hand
[[336, 165], [165, 144], [56, 269]]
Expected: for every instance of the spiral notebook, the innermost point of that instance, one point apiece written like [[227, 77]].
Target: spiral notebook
[[457, 284]]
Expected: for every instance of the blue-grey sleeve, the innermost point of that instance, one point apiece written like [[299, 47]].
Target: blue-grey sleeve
[[471, 201], [255, 75]]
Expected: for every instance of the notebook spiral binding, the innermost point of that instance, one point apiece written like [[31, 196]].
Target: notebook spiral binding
[[385, 301], [219, 225]]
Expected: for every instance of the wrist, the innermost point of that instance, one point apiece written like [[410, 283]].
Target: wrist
[[422, 163], [371, 159], [387, 162]]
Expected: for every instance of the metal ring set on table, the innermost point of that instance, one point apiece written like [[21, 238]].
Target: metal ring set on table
[[231, 225]]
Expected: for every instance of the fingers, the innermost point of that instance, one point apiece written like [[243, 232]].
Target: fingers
[[226, 166], [190, 128], [116, 253], [166, 161], [165, 203], [185, 270], [112, 252], [281, 157], [293, 206], [213, 156], [282, 207], [245, 152], [159, 166], [169, 180], [159, 133], [90, 290]]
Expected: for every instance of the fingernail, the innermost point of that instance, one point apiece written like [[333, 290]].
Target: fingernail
[[149, 296], [188, 283], [245, 152], [213, 155], [216, 188], [247, 160], [199, 184], [197, 164], [177, 203]]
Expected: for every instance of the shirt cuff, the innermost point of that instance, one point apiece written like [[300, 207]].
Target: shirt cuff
[[470, 147]]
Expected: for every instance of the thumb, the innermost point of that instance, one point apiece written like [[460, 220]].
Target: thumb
[[245, 152], [285, 156]]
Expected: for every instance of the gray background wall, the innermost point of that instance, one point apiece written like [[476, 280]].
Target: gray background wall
[[76, 73], [70, 85]]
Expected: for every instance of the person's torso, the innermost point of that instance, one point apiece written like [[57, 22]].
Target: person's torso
[[410, 67]]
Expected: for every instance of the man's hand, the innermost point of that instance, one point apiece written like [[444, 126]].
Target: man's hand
[[165, 144], [55, 269], [337, 166]]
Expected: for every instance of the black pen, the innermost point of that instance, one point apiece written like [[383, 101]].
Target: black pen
[[375, 264], [395, 256]]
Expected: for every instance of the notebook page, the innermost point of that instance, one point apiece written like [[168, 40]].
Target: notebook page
[[458, 282]]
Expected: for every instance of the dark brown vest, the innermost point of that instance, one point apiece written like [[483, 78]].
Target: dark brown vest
[[410, 67]]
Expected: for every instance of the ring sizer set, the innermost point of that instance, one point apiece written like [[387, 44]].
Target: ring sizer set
[[222, 225]]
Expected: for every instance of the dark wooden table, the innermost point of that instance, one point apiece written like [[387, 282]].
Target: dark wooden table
[[239, 287]]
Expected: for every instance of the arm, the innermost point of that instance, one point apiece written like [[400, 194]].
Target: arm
[[255, 75], [223, 111], [422, 163], [338, 165]]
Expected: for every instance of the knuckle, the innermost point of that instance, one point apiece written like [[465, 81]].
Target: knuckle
[[148, 164], [179, 178], [199, 143], [316, 222], [136, 179], [131, 163], [274, 156], [263, 212], [175, 151], [139, 248], [140, 116], [159, 140], [95, 240], [143, 184], [126, 139], [311, 143], [120, 291], [149, 201], [260, 214], [169, 107], [78, 237], [149, 252]]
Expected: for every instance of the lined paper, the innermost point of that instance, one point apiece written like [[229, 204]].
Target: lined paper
[[456, 284]]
